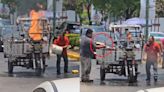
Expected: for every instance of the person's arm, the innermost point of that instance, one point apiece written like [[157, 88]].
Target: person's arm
[[100, 45], [158, 48], [144, 58], [67, 42], [56, 41]]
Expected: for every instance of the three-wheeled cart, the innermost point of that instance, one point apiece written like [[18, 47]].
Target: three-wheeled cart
[[124, 58], [22, 51]]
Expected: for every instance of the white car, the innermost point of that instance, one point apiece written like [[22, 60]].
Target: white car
[[157, 35], [62, 85], [160, 89]]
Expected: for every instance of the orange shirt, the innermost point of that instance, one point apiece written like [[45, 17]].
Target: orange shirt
[[152, 51], [35, 31], [62, 42]]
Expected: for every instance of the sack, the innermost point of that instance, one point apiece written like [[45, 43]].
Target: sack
[[55, 49]]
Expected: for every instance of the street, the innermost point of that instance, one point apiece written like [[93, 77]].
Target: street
[[115, 83], [24, 80]]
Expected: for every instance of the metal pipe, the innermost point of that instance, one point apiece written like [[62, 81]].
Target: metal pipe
[[147, 19]]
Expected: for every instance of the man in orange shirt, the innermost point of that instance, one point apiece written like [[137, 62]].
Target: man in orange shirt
[[62, 41], [152, 49]]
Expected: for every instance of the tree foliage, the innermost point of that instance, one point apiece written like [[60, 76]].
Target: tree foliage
[[23, 6], [160, 8], [82, 8], [11, 4], [119, 8]]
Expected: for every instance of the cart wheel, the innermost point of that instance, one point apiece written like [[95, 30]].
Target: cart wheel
[[38, 71], [5, 56], [44, 64], [10, 67], [102, 74], [131, 77]]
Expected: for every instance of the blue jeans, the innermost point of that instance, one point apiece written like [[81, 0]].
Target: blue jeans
[[65, 63], [148, 67]]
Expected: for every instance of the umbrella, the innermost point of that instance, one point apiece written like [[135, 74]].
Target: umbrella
[[136, 21]]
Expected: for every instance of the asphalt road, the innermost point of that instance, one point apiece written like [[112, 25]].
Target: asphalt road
[[115, 83], [24, 80]]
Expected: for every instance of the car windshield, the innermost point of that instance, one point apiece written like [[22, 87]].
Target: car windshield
[[157, 34], [98, 29], [94, 28]]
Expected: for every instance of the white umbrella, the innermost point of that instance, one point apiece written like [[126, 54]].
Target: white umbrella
[[136, 21]]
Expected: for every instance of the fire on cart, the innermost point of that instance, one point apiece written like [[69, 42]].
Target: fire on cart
[[30, 49]]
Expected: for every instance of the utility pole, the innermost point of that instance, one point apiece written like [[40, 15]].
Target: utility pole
[[54, 18], [147, 20]]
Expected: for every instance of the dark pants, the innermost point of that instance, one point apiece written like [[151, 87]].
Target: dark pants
[[85, 67], [163, 61], [148, 67], [65, 63]]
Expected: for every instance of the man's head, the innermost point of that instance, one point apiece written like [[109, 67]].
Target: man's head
[[89, 33], [62, 35], [151, 40]]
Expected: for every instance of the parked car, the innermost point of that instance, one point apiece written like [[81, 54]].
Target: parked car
[[3, 24], [94, 28], [160, 89], [71, 27], [62, 85], [157, 35], [100, 35]]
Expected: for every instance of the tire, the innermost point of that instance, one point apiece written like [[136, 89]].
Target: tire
[[10, 67], [44, 65], [131, 77], [5, 56], [102, 74], [1, 48], [38, 71]]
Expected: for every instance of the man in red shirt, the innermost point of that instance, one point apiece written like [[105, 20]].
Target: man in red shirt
[[62, 41], [162, 49], [152, 49]]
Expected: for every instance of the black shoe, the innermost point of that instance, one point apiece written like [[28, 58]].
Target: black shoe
[[65, 71], [83, 80], [58, 73], [148, 80], [155, 79], [86, 80], [89, 80]]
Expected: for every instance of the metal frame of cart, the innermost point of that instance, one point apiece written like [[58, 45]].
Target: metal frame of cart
[[23, 51], [125, 55]]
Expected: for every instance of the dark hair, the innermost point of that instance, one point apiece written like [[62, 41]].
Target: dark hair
[[152, 37], [89, 31]]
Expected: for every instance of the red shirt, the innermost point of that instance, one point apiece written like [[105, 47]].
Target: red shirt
[[62, 42], [152, 51]]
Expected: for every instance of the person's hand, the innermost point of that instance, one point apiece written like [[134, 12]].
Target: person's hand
[[65, 47]]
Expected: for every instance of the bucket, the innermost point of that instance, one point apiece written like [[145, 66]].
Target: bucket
[[56, 49]]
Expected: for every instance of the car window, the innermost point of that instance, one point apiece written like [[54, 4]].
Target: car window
[[39, 90]]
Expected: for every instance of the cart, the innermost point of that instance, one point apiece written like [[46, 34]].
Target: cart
[[23, 51], [124, 58]]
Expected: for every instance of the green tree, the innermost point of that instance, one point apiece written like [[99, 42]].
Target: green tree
[[82, 8], [160, 8], [118, 8], [11, 4]]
